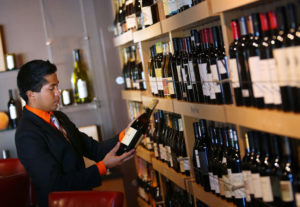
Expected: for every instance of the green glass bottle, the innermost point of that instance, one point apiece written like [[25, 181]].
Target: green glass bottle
[[79, 80]]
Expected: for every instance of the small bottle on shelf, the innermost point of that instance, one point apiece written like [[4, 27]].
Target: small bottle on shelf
[[12, 109]]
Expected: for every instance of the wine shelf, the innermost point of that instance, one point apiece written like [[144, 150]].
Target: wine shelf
[[79, 107], [209, 198], [132, 95], [147, 33], [142, 203], [203, 111], [170, 173], [273, 121], [163, 103], [144, 154], [186, 18], [123, 38], [224, 5]]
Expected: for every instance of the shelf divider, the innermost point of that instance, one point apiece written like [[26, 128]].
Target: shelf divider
[[144, 154], [147, 33], [132, 95], [123, 38]]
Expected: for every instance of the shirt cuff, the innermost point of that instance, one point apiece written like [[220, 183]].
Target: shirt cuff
[[101, 167], [122, 135]]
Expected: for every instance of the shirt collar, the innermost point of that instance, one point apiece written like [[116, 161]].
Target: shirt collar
[[40, 113]]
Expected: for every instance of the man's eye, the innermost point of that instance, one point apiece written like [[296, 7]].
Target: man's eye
[[51, 89]]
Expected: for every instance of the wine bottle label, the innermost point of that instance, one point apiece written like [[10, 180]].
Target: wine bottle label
[[148, 143], [128, 83], [221, 183], [297, 54], [255, 73], [12, 112], [274, 80], [143, 79], [147, 15], [158, 74], [82, 89], [197, 158], [161, 152], [281, 65], [222, 66], [297, 199], [131, 21], [211, 181], [165, 6], [286, 191], [224, 160], [186, 164], [187, 2], [166, 86], [212, 92], [291, 67], [234, 74], [178, 67], [267, 193], [227, 186], [248, 184], [179, 3], [155, 150], [170, 85], [256, 182], [245, 93], [169, 152], [129, 135], [172, 7], [238, 185], [10, 63], [184, 75], [216, 183], [192, 73], [154, 84], [181, 164], [266, 81], [215, 78], [66, 97]]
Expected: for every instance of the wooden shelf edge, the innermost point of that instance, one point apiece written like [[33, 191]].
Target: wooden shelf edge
[[147, 33], [144, 154], [169, 173], [196, 13], [225, 5], [132, 95], [201, 111], [209, 198], [272, 121], [163, 103], [123, 38], [142, 203]]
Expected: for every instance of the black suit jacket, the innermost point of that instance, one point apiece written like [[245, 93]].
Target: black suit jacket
[[52, 162]]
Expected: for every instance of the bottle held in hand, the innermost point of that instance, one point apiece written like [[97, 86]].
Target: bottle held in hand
[[134, 133]]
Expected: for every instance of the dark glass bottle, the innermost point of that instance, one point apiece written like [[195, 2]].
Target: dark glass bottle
[[168, 81], [196, 157], [246, 165], [234, 72], [12, 109], [158, 68], [175, 73]]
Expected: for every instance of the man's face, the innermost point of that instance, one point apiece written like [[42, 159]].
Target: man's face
[[48, 98]]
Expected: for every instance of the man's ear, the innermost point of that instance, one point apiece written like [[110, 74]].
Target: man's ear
[[30, 94]]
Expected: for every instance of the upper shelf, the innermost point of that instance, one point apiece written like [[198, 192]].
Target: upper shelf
[[132, 95], [187, 17], [163, 103], [147, 33], [272, 121], [123, 38], [144, 154], [79, 107], [224, 5]]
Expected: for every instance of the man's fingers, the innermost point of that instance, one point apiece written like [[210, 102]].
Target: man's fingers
[[115, 149], [126, 154], [128, 158]]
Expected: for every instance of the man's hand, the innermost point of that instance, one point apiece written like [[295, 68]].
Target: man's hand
[[112, 160]]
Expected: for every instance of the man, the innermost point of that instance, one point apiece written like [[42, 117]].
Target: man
[[49, 145]]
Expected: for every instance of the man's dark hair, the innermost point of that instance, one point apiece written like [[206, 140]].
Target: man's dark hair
[[31, 76]]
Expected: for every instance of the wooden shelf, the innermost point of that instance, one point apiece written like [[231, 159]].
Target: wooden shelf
[[79, 107], [224, 5], [187, 17], [144, 154], [170, 173], [142, 203], [132, 95], [164, 104], [148, 33], [123, 38], [272, 121], [209, 198], [203, 111]]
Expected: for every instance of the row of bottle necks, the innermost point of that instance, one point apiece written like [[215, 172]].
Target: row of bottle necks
[[263, 62], [267, 175], [150, 190], [139, 14]]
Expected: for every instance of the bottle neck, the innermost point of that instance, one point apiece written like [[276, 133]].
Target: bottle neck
[[281, 14], [235, 29], [247, 144], [256, 24], [243, 26], [264, 24], [292, 17], [10, 94]]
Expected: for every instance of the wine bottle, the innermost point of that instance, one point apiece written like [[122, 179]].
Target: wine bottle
[[246, 164], [79, 80], [234, 72], [158, 68], [134, 133], [196, 159], [12, 109], [168, 82], [176, 73]]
